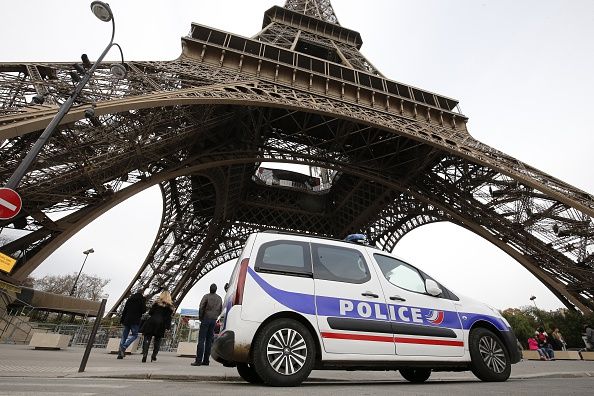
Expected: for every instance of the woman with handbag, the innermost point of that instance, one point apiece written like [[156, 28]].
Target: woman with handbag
[[155, 326]]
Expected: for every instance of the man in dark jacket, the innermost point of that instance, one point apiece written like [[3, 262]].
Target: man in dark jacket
[[211, 307], [131, 316]]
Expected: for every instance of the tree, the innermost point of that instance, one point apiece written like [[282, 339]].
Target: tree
[[29, 281], [522, 324], [524, 321], [87, 286]]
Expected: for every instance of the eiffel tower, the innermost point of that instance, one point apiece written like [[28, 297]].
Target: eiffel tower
[[385, 157]]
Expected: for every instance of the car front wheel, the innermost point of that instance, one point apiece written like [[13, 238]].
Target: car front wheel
[[490, 359], [283, 353]]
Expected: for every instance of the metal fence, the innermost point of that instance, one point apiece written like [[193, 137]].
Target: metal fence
[[80, 334], [14, 322]]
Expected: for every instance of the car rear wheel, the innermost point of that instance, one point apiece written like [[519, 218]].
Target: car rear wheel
[[248, 373], [283, 353], [416, 375], [490, 358]]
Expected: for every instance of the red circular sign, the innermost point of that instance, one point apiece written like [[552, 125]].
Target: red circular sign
[[10, 203]]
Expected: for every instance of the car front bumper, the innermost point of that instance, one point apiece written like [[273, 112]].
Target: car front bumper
[[511, 342]]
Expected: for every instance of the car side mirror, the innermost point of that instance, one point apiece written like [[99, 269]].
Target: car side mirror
[[432, 288]]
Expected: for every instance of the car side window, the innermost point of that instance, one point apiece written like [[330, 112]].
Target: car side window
[[400, 274], [287, 257], [339, 264]]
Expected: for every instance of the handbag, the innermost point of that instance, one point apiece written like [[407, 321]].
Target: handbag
[[145, 316]]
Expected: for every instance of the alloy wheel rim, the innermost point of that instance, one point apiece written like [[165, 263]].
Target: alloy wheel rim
[[286, 351], [492, 354]]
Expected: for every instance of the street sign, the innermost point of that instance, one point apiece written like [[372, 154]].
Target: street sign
[[10, 203], [6, 263]]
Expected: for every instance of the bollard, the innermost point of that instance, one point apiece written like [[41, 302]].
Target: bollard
[[83, 363]]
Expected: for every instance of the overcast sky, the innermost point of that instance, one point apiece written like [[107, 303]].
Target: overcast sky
[[522, 71]]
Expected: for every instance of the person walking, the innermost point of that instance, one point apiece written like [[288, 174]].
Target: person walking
[[131, 315], [155, 326], [210, 308]]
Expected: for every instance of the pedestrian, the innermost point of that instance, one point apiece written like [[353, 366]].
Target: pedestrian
[[533, 346], [589, 333], [210, 308], [557, 340], [131, 316], [543, 343], [154, 327]]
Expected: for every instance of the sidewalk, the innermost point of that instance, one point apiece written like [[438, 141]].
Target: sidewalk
[[22, 361]]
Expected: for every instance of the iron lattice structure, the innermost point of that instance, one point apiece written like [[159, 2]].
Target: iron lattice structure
[[389, 157]]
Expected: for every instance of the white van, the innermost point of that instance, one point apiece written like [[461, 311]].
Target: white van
[[297, 303]]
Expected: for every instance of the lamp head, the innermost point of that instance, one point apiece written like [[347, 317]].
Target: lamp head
[[85, 60], [90, 113], [532, 298], [89, 251], [119, 71], [102, 11]]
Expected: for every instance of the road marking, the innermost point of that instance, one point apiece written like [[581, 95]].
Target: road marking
[[23, 384], [7, 204], [33, 393]]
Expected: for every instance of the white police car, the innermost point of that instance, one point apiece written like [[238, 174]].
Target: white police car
[[297, 303]]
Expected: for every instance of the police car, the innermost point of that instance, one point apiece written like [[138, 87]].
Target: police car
[[297, 303]]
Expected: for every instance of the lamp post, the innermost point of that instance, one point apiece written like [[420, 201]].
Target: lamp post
[[86, 253], [533, 298], [536, 313], [102, 11]]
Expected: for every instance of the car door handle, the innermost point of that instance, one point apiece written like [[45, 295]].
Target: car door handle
[[397, 298], [370, 294]]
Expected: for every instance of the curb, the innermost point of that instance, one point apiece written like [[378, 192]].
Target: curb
[[225, 378], [556, 375]]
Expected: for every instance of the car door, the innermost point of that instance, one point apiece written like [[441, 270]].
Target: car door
[[423, 325], [350, 305]]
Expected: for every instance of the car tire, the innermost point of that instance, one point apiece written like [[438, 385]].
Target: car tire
[[416, 375], [284, 353], [489, 357], [248, 373]]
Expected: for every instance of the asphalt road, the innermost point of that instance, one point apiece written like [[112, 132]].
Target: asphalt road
[[15, 386]]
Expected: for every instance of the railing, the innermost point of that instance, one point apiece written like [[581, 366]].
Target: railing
[[80, 334], [246, 47], [11, 320]]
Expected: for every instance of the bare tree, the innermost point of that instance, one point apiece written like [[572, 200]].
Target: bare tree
[[29, 281], [88, 286]]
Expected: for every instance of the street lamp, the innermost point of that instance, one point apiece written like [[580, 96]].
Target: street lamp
[[102, 11], [86, 253], [532, 298]]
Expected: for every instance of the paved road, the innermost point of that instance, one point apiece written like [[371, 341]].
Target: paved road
[[24, 371], [94, 386], [22, 361]]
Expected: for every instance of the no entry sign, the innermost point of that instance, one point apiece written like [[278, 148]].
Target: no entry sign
[[10, 203]]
